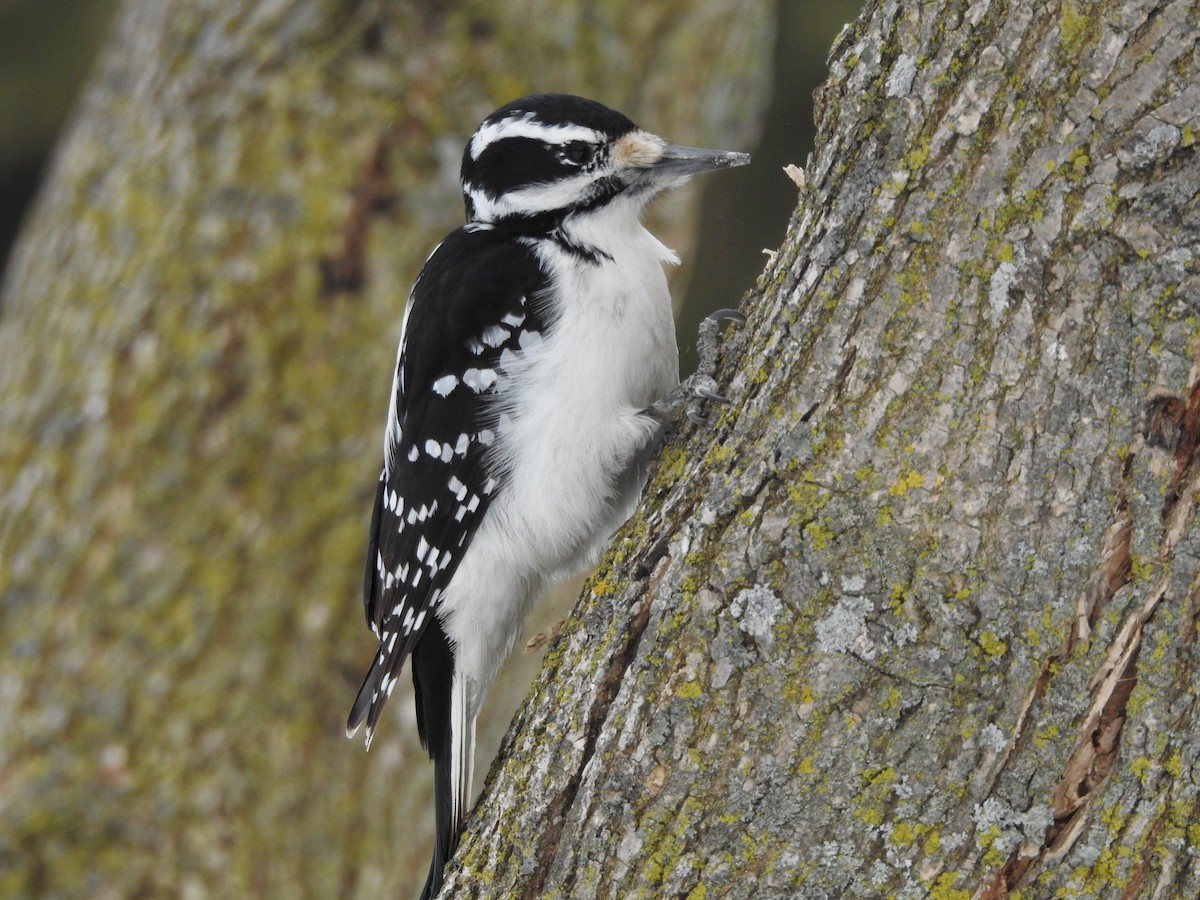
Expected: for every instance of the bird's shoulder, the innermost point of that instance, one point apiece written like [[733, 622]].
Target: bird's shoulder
[[477, 280]]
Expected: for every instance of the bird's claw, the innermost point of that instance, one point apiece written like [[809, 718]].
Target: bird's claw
[[702, 391], [700, 388], [707, 393], [726, 315]]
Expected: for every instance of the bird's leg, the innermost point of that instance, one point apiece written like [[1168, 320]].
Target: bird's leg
[[708, 345], [699, 388]]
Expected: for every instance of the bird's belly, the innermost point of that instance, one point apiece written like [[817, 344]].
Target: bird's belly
[[576, 413]]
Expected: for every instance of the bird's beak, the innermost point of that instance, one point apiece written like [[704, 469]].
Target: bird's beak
[[652, 163], [693, 160]]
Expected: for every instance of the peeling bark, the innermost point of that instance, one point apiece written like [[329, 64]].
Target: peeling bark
[[923, 603]]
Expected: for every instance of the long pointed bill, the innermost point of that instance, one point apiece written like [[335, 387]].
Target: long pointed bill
[[692, 160], [648, 164]]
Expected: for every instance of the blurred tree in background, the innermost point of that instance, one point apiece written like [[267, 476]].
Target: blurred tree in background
[[196, 335]]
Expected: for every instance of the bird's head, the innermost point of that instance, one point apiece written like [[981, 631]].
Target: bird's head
[[547, 155]]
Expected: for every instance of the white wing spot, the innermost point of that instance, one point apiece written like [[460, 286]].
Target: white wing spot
[[433, 448], [512, 320], [485, 437], [445, 385], [475, 346], [422, 549], [479, 380], [461, 445], [413, 453], [447, 453], [457, 488], [527, 339], [494, 335]]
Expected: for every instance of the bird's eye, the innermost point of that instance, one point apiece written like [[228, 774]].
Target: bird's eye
[[578, 152]]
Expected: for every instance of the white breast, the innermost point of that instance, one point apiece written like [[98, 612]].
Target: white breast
[[572, 426], [575, 401]]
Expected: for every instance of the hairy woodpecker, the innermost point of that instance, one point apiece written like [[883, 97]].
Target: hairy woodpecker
[[537, 364]]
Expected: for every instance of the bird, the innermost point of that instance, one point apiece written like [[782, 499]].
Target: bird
[[536, 369]]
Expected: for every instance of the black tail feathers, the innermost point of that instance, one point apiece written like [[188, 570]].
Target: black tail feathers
[[445, 840], [433, 679]]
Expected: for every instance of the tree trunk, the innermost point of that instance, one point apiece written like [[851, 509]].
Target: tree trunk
[[917, 615], [196, 343]]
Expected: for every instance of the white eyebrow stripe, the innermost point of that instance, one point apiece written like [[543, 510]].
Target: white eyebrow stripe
[[526, 125], [529, 200]]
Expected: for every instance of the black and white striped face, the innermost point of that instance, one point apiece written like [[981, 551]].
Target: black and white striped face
[[555, 153]]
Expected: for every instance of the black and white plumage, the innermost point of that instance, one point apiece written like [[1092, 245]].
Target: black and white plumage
[[536, 353]]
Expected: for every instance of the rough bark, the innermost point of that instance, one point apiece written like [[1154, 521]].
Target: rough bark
[[918, 615], [196, 341]]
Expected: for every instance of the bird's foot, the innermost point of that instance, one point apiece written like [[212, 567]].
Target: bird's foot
[[699, 389]]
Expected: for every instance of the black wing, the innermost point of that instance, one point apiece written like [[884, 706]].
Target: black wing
[[475, 301]]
